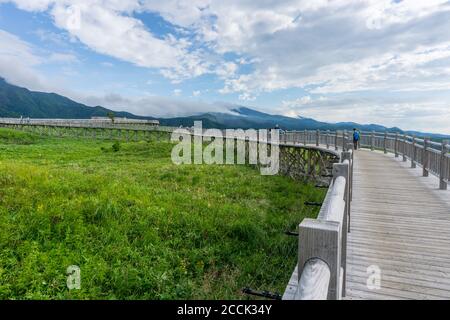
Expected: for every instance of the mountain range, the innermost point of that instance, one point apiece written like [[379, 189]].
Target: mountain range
[[246, 118], [17, 101]]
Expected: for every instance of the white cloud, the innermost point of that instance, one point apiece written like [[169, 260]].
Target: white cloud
[[108, 27], [383, 13], [177, 92], [109, 32], [226, 70], [153, 106], [17, 62], [20, 62], [34, 5], [196, 93], [63, 58], [412, 112], [339, 46], [60, 39], [332, 48], [107, 64], [298, 102]]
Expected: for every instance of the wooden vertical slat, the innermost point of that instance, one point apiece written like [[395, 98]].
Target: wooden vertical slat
[[425, 157], [443, 166]]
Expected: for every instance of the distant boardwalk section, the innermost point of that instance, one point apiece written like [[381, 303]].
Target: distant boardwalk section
[[94, 121]]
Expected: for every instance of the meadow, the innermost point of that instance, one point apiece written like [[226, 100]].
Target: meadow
[[139, 226]]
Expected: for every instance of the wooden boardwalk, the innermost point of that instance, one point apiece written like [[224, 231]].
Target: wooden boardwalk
[[400, 223]]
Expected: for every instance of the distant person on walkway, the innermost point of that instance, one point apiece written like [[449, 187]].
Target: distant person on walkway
[[355, 138]]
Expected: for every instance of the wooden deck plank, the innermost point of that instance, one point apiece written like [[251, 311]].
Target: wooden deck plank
[[400, 224]]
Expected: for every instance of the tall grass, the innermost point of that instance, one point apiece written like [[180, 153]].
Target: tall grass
[[139, 226]]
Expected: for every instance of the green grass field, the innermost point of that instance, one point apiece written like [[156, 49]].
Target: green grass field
[[138, 226]]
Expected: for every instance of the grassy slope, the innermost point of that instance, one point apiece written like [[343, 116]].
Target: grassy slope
[[137, 225]]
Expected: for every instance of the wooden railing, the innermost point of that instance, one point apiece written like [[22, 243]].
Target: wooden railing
[[433, 157], [96, 121], [321, 270], [94, 129], [336, 139], [39, 124]]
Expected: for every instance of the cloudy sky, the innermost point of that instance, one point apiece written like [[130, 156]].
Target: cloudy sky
[[370, 61]]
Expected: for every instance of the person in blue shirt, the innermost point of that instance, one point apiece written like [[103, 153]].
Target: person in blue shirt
[[355, 138]]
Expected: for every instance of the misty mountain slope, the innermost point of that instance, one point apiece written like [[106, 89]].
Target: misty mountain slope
[[246, 118], [16, 101]]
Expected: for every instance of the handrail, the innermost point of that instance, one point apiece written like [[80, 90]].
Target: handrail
[[43, 121], [321, 270], [432, 156]]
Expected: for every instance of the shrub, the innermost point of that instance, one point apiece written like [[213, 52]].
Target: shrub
[[116, 146]]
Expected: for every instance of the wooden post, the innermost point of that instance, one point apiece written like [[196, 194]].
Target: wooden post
[[425, 157], [328, 139], [372, 141], [405, 146], [336, 140], [320, 239], [343, 170], [348, 156], [317, 137], [344, 133], [396, 145], [413, 152], [385, 142], [443, 166]]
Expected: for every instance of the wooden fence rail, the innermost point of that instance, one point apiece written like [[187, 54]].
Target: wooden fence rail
[[432, 156], [321, 270]]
